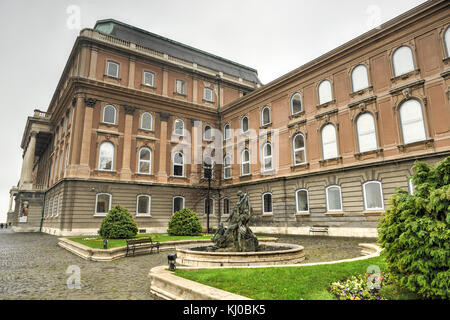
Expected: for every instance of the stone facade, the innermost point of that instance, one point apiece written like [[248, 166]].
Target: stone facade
[[142, 77]]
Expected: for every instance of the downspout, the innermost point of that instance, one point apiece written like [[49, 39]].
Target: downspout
[[220, 171]]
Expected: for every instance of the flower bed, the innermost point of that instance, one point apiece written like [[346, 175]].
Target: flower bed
[[361, 287]]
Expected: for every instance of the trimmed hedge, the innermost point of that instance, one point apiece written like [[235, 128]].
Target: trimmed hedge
[[184, 223], [118, 224], [415, 232]]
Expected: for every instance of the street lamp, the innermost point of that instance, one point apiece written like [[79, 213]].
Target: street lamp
[[208, 175]]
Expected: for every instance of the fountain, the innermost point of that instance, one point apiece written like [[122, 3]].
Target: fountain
[[236, 245]]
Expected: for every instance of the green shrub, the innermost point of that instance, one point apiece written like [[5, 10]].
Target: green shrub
[[415, 232], [184, 223], [118, 224]]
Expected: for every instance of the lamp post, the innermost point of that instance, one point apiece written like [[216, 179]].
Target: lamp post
[[208, 175], [171, 258]]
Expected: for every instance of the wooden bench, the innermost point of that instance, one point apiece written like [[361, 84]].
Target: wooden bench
[[144, 243], [318, 229]]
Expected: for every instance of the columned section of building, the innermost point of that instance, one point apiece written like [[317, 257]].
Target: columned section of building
[[125, 172]]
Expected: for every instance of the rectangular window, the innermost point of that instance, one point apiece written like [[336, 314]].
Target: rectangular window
[[149, 78], [226, 206], [112, 69], [103, 203], [180, 87], [178, 204], [373, 196], [302, 201], [209, 208], [334, 201], [143, 205], [208, 94]]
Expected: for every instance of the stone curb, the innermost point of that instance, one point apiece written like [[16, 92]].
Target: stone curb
[[171, 287], [88, 253]]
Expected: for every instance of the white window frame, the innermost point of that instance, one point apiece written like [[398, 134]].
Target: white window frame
[[213, 206], [152, 84], [66, 157], [102, 214], [353, 79], [335, 142], [398, 73], [242, 124], [149, 210], [271, 203], [296, 201], [205, 97], [374, 133], [225, 166], [175, 164], [151, 121], [175, 133], [411, 186], [365, 196], [299, 149], [148, 161], [292, 104], [223, 206], [58, 205], [182, 88], [225, 137], [447, 43], [262, 116], [264, 157], [210, 132], [99, 156], [320, 88], [52, 208], [107, 69], [245, 162], [402, 124], [173, 203], [341, 209], [115, 114]]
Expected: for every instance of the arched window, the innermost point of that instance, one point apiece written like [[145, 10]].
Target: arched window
[[102, 203], [447, 41], [109, 114], [178, 127], [106, 157], [411, 119], [208, 167], [147, 121], [267, 203], [178, 164], [296, 103], [360, 78], [208, 208], [245, 163], [298, 144], [367, 137], [227, 132], [265, 116], [227, 167], [267, 157], [403, 61], [145, 161], [329, 142], [325, 93], [207, 134], [373, 196], [334, 198], [143, 205], [178, 204], [244, 124], [225, 206], [302, 201]]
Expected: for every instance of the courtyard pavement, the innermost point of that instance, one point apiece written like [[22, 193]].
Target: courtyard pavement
[[33, 266]]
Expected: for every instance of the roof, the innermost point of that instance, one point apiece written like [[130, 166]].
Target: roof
[[176, 49]]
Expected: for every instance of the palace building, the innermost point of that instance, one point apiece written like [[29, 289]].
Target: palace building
[[135, 117]]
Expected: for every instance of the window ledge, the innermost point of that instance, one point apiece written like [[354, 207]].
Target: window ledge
[[406, 75], [326, 104], [361, 92], [246, 176], [147, 86], [141, 174], [179, 94], [335, 213], [330, 161], [141, 215], [366, 153], [303, 214], [100, 215], [109, 124], [208, 101], [374, 212], [268, 172], [107, 76], [297, 115], [111, 172], [300, 166], [267, 214], [428, 143], [265, 126]]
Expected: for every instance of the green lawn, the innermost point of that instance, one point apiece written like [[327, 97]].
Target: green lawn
[[97, 242], [287, 283]]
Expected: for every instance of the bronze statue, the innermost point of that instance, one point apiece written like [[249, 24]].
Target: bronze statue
[[238, 235]]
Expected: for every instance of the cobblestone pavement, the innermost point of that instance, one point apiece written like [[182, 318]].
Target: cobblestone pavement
[[33, 266]]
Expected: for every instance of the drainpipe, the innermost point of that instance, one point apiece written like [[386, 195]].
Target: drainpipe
[[219, 80]]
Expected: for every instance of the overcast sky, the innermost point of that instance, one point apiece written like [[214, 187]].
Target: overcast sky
[[273, 37]]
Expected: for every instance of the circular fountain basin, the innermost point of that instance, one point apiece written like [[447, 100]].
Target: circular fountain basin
[[273, 254]]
